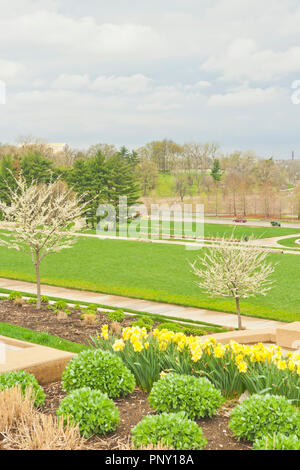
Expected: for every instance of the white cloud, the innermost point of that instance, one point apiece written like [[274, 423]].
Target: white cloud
[[128, 72], [247, 97], [11, 71], [243, 59], [71, 82], [133, 84], [52, 31], [19, 7], [198, 85]]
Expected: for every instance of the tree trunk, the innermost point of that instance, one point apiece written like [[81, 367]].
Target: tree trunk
[[38, 282], [237, 301], [244, 204], [234, 205]]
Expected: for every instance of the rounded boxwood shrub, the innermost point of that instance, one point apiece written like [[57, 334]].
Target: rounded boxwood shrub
[[99, 370], [92, 409], [262, 415], [196, 396], [174, 430], [24, 380], [277, 442]]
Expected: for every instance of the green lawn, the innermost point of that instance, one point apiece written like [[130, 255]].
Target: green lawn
[[152, 271], [242, 231], [44, 339], [290, 242], [215, 230]]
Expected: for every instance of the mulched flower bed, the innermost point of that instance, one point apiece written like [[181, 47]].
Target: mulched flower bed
[[71, 328], [132, 408]]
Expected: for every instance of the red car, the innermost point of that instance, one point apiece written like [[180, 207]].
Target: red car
[[240, 221]]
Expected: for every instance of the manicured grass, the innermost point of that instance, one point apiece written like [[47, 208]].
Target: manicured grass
[[242, 231], [152, 271], [44, 339], [212, 230], [290, 242]]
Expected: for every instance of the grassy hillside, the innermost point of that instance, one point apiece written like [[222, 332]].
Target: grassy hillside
[[152, 271]]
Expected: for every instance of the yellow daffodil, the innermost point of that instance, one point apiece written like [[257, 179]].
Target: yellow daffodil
[[104, 332], [118, 345]]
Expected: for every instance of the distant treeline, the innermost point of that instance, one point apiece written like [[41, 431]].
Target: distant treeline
[[240, 183]]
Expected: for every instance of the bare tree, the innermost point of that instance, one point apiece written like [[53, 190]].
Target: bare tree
[[44, 217], [237, 270], [181, 184], [296, 199], [147, 173]]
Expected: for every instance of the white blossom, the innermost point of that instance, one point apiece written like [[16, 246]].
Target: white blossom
[[44, 219], [237, 270]]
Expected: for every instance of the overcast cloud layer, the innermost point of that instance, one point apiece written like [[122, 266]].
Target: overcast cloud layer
[[127, 72]]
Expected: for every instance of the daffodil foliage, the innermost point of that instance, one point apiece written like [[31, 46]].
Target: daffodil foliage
[[233, 367]]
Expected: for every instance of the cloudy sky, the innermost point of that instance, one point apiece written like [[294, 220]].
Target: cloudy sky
[[131, 71]]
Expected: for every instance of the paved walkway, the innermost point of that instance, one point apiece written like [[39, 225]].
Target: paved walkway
[[273, 243], [269, 244], [188, 313]]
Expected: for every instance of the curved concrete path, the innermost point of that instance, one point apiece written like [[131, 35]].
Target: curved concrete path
[[273, 243], [188, 313]]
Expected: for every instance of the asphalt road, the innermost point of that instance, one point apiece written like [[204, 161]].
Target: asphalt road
[[249, 223]]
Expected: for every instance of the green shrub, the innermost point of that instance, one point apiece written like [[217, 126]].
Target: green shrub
[[44, 299], [174, 430], [116, 315], [60, 305], [87, 311], [147, 320], [31, 301], [262, 415], [277, 442], [51, 307], [23, 379], [92, 409], [93, 307], [100, 370], [3, 298], [15, 295], [141, 324], [171, 327], [196, 396], [194, 331]]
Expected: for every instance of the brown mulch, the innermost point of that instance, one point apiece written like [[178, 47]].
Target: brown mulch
[[132, 408], [71, 328]]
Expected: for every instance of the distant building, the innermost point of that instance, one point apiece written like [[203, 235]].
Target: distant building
[[57, 147]]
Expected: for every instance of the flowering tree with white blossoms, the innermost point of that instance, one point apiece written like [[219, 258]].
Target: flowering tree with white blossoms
[[44, 219], [237, 270]]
